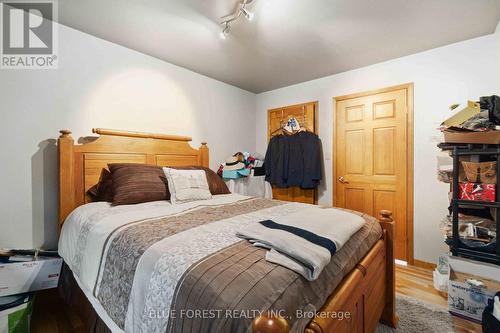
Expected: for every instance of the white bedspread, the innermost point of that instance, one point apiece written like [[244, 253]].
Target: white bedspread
[[90, 231], [86, 229]]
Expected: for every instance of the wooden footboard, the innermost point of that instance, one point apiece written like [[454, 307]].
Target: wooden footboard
[[364, 297]]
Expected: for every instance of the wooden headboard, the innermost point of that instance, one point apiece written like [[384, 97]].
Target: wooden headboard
[[80, 165]]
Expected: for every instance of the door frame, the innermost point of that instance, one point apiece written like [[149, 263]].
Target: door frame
[[409, 155]]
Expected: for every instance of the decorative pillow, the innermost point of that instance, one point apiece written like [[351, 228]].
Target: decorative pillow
[[137, 183], [215, 183], [92, 192], [187, 185], [103, 190]]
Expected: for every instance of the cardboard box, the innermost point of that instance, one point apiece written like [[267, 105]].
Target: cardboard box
[[471, 285], [22, 277], [481, 172], [463, 115], [490, 137], [477, 192]]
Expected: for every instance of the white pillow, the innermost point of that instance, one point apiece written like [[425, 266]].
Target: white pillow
[[187, 185]]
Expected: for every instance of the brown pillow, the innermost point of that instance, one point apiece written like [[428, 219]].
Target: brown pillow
[[92, 192], [215, 183], [136, 183], [103, 190]]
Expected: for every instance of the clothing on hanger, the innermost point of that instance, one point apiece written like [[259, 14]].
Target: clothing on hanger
[[292, 125], [294, 160]]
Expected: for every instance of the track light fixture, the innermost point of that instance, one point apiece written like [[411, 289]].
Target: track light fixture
[[248, 14], [225, 31], [229, 19]]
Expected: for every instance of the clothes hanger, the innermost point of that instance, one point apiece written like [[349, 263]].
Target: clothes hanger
[[276, 130], [305, 123], [280, 128], [302, 124]]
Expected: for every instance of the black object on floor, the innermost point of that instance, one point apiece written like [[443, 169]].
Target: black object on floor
[[490, 323]]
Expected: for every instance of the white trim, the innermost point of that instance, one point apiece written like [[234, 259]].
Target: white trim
[[400, 262]]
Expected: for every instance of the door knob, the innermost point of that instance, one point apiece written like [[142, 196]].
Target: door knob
[[343, 180]]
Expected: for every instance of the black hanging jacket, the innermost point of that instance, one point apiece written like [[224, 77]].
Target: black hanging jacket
[[274, 161], [294, 160], [312, 159]]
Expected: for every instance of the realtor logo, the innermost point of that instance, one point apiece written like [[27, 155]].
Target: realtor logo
[[28, 36]]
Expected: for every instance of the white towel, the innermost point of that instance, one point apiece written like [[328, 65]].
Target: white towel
[[304, 252]]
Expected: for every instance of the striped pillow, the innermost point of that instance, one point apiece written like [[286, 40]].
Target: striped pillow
[[103, 190], [137, 183]]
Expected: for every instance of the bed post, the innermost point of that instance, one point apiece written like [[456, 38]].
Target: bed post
[[204, 155], [389, 316], [66, 175], [270, 324]]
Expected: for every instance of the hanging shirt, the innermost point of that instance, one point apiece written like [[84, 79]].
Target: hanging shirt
[[274, 161], [294, 160], [304, 160]]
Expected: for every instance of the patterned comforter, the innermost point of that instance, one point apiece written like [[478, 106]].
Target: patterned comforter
[[157, 267]]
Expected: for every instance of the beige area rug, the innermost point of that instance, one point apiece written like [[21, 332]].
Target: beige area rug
[[418, 317]]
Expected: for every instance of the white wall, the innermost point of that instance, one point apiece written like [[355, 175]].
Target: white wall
[[497, 44], [446, 75], [100, 84]]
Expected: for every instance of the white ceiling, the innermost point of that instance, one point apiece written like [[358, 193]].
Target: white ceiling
[[289, 41]]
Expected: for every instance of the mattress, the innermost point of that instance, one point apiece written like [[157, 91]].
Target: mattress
[[158, 267]]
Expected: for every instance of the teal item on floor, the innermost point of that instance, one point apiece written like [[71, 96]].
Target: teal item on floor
[[235, 174]]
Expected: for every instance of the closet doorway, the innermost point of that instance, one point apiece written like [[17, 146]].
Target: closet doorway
[[373, 158], [306, 114]]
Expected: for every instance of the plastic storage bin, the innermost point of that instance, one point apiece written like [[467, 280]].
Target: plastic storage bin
[[441, 280], [15, 313]]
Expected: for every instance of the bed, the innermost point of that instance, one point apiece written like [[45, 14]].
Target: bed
[[158, 267]]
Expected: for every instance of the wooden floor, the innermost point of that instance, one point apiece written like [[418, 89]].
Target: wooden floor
[[417, 283], [51, 317]]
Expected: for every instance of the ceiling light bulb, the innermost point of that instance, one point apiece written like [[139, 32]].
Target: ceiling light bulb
[[248, 14], [225, 31]]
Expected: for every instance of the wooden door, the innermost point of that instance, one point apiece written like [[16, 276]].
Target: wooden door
[[371, 160], [276, 117]]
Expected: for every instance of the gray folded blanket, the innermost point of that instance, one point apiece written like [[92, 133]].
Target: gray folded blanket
[[303, 241]]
